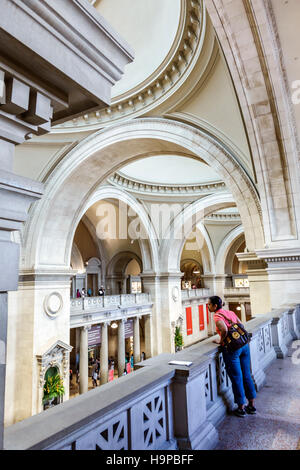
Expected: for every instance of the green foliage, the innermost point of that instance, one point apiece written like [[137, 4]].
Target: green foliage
[[178, 338], [53, 387]]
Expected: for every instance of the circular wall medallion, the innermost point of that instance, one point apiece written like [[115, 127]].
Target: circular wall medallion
[[53, 304], [175, 293]]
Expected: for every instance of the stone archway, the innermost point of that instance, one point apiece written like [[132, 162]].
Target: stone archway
[[174, 240], [234, 237], [76, 178], [260, 82]]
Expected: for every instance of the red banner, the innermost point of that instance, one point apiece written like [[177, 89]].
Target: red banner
[[189, 322], [128, 368], [111, 375], [207, 314], [201, 317]]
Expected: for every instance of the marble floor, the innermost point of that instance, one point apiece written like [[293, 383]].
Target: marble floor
[[276, 426]]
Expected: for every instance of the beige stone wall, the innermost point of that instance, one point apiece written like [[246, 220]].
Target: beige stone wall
[[31, 332]]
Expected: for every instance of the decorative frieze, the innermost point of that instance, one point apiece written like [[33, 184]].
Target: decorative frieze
[[142, 187]]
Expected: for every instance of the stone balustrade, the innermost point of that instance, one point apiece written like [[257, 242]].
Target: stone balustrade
[[194, 293], [237, 291], [144, 410], [90, 310]]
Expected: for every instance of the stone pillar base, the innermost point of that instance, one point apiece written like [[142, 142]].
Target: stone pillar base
[[206, 437]]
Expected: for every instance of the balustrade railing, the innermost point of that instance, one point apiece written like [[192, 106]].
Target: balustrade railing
[[144, 410], [237, 291], [192, 293], [108, 301]]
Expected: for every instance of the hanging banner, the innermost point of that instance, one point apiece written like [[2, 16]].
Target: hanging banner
[[189, 322], [128, 328], [207, 314], [201, 317], [94, 335]]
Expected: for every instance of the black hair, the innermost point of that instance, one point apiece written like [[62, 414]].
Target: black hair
[[215, 300]]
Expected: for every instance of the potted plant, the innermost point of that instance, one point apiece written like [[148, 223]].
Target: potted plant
[[178, 339], [53, 388]]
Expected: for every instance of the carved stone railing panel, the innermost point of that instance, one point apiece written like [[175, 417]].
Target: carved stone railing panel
[[111, 435]]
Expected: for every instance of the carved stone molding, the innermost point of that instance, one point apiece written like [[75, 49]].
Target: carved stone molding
[[152, 91], [143, 187], [53, 304], [56, 356]]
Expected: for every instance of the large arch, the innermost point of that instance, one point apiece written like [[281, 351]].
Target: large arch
[[148, 245], [232, 238], [119, 262], [75, 180], [174, 239], [261, 84]]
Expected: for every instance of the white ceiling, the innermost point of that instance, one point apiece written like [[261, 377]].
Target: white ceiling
[[150, 27], [170, 169]]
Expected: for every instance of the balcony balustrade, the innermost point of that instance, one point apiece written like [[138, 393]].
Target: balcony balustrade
[[144, 410], [89, 310]]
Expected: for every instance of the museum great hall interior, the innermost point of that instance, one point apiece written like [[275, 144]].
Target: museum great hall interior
[[149, 159]]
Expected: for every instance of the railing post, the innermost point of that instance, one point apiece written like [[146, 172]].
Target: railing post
[[277, 327], [293, 324], [191, 427]]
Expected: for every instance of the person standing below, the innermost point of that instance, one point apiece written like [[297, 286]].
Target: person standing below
[[95, 377], [101, 291], [237, 363]]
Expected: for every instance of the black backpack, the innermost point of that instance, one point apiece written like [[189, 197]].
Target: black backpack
[[237, 336]]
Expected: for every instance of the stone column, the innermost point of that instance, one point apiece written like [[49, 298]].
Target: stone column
[[104, 354], [258, 283], [283, 270], [121, 347], [220, 285], [84, 361], [209, 282], [148, 336], [167, 307], [151, 285], [136, 340], [243, 314]]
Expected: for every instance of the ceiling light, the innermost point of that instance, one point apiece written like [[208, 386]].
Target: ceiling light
[[114, 325]]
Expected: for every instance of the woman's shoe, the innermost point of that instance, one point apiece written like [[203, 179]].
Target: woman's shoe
[[251, 410], [240, 413]]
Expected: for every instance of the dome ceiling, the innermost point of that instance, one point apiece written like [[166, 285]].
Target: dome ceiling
[[150, 29], [170, 169]]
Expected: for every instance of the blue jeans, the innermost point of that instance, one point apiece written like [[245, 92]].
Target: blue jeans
[[238, 369]]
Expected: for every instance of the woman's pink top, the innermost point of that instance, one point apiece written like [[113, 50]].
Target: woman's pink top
[[227, 313]]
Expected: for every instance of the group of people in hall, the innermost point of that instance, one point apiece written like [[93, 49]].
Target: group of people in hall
[[95, 363], [89, 293]]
